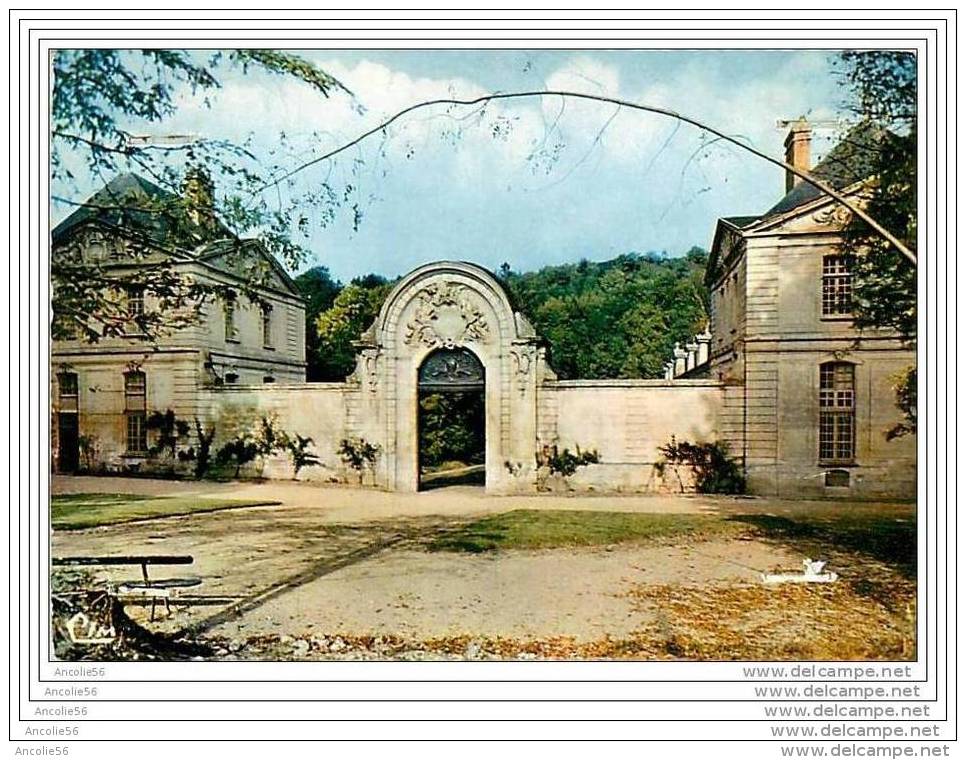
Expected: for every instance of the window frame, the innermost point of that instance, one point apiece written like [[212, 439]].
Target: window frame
[[61, 392], [267, 332], [837, 287], [67, 401], [134, 306], [837, 413], [231, 327], [135, 412], [136, 440]]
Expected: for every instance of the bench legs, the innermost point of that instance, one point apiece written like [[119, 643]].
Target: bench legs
[[154, 604]]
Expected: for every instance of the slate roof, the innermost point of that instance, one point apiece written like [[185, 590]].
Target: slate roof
[[133, 203], [851, 160]]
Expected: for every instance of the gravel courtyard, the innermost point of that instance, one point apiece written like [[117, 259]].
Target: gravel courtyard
[[345, 565]]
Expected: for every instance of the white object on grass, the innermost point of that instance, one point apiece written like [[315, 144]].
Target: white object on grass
[[812, 574]]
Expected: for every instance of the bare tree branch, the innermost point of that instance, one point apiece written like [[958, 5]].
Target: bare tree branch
[[803, 175]]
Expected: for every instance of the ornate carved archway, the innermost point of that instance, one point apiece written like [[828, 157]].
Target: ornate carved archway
[[438, 308], [452, 369]]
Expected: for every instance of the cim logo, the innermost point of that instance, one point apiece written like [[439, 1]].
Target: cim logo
[[82, 630]]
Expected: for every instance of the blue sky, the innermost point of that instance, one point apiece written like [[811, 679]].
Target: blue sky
[[530, 182]]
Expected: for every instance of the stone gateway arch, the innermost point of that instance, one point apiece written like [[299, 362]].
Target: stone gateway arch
[[802, 398], [450, 306], [450, 325]]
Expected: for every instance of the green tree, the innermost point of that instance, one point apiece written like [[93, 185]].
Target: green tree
[[618, 318], [101, 100], [883, 94], [451, 428], [882, 86], [338, 327], [320, 291]]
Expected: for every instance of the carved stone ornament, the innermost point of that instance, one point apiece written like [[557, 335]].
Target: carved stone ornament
[[446, 317], [834, 215], [453, 368], [372, 371], [522, 361]]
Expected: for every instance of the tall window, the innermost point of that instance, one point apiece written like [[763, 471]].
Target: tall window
[[267, 326], [836, 434], [67, 391], [231, 332], [135, 410], [836, 287]]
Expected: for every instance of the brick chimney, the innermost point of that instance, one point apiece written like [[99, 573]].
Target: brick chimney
[[798, 150]]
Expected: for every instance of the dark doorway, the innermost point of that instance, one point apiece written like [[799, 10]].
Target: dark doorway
[[452, 420], [68, 442]]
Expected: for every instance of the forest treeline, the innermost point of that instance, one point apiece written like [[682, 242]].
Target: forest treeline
[[610, 319]]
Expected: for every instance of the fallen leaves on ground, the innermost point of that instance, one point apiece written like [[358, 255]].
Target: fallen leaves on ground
[[834, 621], [726, 622]]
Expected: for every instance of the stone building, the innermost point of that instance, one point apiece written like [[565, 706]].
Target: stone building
[[104, 392], [801, 397], [815, 394]]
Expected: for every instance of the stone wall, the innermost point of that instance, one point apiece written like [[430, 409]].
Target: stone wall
[[172, 378], [626, 421], [316, 410]]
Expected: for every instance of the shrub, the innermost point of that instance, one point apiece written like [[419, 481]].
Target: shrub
[[170, 431], [202, 458], [714, 470], [239, 451], [297, 447], [259, 441], [358, 454], [566, 462]]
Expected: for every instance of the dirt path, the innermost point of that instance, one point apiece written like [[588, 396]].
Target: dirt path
[[341, 561], [334, 504], [578, 593], [244, 556]]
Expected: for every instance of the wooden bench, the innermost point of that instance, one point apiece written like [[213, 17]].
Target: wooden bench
[[146, 587]]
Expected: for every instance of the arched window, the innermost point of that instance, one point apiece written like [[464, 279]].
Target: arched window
[[836, 399]]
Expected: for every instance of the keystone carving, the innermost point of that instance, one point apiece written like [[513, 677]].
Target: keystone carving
[[446, 317]]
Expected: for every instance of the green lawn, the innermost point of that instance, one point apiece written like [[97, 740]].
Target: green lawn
[[546, 529], [882, 534], [89, 510]]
